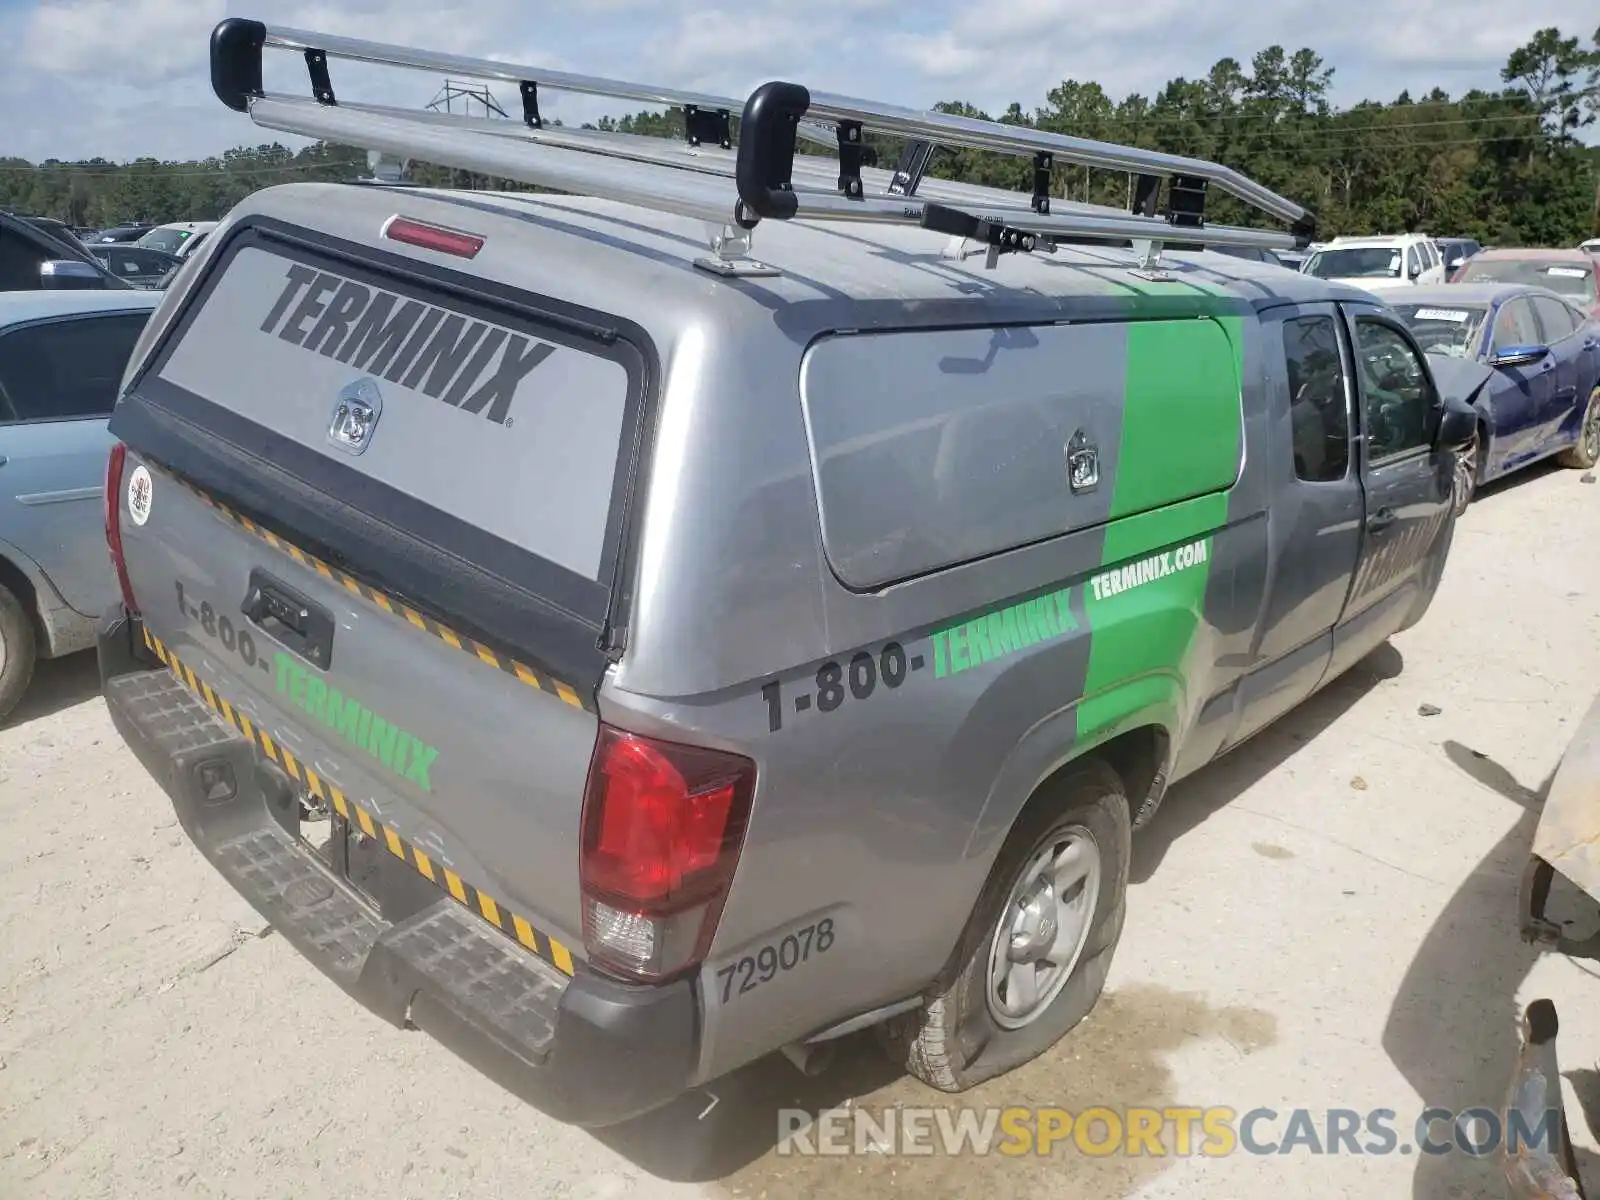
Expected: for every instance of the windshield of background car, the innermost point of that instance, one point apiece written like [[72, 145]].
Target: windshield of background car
[[1356, 262], [1573, 279], [1444, 329], [166, 240]]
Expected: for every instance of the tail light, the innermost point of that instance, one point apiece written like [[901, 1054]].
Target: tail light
[[113, 515], [663, 825]]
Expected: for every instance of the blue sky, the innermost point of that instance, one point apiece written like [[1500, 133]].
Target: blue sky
[[123, 78]]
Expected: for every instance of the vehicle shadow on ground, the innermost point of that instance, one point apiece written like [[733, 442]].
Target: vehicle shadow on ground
[[709, 1134], [1192, 801], [1452, 1028], [1507, 484], [58, 683]]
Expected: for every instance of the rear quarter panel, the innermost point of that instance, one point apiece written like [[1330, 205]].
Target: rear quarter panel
[[898, 731]]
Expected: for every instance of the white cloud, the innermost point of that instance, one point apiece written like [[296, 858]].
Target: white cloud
[[134, 42], [122, 78]]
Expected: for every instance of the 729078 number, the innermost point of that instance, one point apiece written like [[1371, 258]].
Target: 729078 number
[[751, 971]]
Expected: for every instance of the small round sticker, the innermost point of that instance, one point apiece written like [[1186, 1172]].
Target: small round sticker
[[140, 493]]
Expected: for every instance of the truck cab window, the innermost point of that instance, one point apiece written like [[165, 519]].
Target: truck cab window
[[1318, 413], [1395, 386]]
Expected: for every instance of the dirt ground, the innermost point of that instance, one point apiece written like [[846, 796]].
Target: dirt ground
[[1324, 920]]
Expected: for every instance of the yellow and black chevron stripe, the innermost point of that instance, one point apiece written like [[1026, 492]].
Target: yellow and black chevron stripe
[[480, 902], [540, 679]]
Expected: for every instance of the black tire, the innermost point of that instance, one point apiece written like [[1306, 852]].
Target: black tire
[[1586, 452], [18, 651], [953, 1041]]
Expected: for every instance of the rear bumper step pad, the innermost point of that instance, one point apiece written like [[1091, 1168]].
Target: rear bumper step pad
[[502, 918], [588, 1049]]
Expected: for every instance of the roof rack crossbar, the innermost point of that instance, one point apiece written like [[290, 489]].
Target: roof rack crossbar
[[771, 179]]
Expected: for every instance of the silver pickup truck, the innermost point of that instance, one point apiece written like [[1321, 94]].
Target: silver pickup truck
[[624, 656]]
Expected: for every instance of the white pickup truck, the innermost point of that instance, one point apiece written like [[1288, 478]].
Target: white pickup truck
[[1378, 263]]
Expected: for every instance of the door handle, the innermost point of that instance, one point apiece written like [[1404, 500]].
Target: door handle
[[1380, 520], [301, 624]]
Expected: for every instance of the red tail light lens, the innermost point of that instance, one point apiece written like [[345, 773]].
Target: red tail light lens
[[663, 825], [432, 237], [113, 519]]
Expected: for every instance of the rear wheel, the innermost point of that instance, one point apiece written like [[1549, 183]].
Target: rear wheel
[[1586, 452], [17, 651], [1033, 958]]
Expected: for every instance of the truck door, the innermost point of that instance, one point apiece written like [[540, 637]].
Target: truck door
[[1316, 513], [1406, 485]]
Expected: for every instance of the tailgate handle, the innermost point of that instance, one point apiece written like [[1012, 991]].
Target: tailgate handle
[[281, 612]]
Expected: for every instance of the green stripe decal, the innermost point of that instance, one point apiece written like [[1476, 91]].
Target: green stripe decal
[[1180, 422], [1180, 437], [1143, 614]]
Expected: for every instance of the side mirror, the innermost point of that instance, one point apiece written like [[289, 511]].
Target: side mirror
[[1457, 425], [1518, 356], [66, 274], [1414, 270]]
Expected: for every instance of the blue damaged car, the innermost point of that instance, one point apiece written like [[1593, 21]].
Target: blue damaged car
[[1534, 362]]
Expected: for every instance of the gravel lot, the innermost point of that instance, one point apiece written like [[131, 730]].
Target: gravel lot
[[1324, 920]]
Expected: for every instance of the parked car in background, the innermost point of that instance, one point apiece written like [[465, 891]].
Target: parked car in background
[[1529, 363], [61, 358], [177, 238], [33, 260], [1294, 260], [138, 265], [1592, 246], [1377, 263], [1575, 274], [59, 230], [1456, 251], [123, 233]]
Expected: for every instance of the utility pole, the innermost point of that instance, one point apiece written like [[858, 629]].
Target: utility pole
[[452, 92], [468, 95]]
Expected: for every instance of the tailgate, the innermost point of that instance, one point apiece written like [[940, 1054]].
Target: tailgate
[[382, 518]]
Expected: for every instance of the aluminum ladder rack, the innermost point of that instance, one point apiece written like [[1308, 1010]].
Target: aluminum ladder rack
[[770, 179]]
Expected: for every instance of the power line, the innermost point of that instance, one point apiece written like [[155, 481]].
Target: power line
[[1365, 107]]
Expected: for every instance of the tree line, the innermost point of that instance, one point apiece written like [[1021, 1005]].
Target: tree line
[[1507, 166]]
